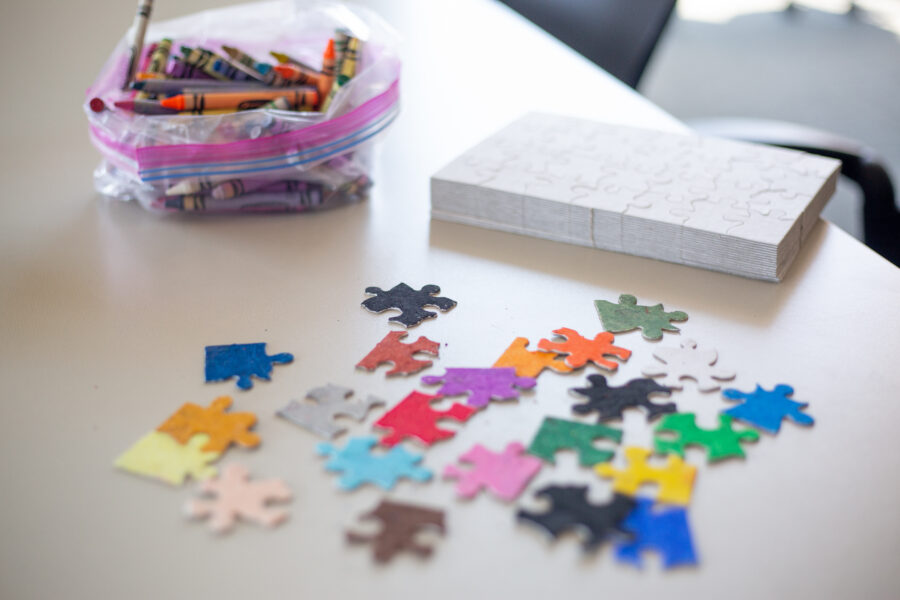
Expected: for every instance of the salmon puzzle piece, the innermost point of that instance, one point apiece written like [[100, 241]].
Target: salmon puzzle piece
[[580, 350], [528, 363], [414, 417], [238, 497], [221, 427], [392, 350], [675, 479], [159, 456]]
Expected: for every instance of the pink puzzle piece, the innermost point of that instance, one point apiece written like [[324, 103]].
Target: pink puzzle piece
[[505, 473], [414, 417], [237, 497]]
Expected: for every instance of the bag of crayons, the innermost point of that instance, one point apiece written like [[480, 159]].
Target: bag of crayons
[[266, 107]]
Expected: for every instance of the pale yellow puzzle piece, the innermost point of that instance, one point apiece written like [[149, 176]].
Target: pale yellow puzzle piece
[[528, 363], [160, 456], [675, 480]]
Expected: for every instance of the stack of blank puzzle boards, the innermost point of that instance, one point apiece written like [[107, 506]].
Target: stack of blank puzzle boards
[[706, 202]]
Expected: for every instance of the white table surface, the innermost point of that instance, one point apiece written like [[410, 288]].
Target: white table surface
[[105, 310]]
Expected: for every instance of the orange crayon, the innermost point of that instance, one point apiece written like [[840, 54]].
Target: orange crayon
[[328, 70], [300, 98], [299, 75]]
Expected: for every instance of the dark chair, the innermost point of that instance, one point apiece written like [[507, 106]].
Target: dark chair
[[619, 36]]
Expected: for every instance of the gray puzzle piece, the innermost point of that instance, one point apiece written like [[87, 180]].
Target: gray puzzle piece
[[329, 402]]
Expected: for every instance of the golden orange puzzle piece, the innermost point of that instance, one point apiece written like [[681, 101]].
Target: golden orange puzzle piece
[[528, 363], [675, 480], [581, 350], [222, 428]]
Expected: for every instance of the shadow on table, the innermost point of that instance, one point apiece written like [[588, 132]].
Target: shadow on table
[[737, 298]]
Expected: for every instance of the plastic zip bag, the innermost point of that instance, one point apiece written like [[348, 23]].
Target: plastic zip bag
[[265, 159]]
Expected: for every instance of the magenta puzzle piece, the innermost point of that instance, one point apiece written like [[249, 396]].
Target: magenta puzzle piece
[[505, 473], [482, 385]]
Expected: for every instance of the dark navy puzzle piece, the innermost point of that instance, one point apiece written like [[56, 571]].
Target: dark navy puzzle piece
[[609, 402], [663, 529], [570, 509], [242, 361], [766, 410], [410, 302]]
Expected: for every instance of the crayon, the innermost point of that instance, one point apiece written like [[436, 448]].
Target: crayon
[[144, 107], [298, 75], [191, 186], [227, 70], [97, 105], [139, 30], [183, 70], [307, 196], [209, 112], [160, 57], [305, 97], [341, 38], [328, 70], [145, 62], [280, 103], [284, 58], [345, 72], [163, 86], [247, 60], [197, 57], [236, 187]]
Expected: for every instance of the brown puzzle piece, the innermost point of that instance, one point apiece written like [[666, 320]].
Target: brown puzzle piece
[[400, 523]]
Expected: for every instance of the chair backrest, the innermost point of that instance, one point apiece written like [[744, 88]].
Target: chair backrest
[[618, 35]]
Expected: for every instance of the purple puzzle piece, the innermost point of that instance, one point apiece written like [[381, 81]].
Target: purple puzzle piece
[[504, 473], [482, 385]]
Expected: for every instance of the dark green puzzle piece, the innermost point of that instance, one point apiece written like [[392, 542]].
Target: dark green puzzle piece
[[558, 434], [628, 315], [720, 443]]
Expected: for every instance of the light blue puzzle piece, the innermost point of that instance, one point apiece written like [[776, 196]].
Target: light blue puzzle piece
[[766, 410], [241, 361], [360, 466]]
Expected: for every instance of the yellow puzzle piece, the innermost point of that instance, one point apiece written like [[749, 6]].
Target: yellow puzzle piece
[[530, 364], [160, 456], [675, 480]]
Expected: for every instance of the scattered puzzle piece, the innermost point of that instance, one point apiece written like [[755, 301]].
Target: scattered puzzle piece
[[400, 524], [360, 466], [628, 315], [222, 428], [675, 480], [482, 385], [330, 401], [766, 410], [410, 302], [392, 350], [241, 361], [238, 497], [720, 443], [580, 350], [558, 434], [414, 417], [663, 529], [570, 510], [160, 456], [688, 363], [610, 402], [505, 473], [530, 364]]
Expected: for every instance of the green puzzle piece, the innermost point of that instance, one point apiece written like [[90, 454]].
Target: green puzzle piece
[[558, 434], [628, 315], [720, 443]]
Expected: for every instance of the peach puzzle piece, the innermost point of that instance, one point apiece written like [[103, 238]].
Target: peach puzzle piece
[[160, 456], [528, 363], [675, 479], [222, 428], [238, 497], [581, 350]]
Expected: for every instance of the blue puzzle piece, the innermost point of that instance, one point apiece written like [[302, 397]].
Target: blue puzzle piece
[[241, 361], [664, 530], [360, 466], [765, 410]]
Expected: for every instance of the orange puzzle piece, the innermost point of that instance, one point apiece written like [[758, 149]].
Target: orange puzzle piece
[[581, 350], [528, 363], [222, 428]]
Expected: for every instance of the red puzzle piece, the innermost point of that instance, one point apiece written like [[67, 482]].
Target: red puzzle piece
[[581, 350], [392, 350], [414, 417]]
